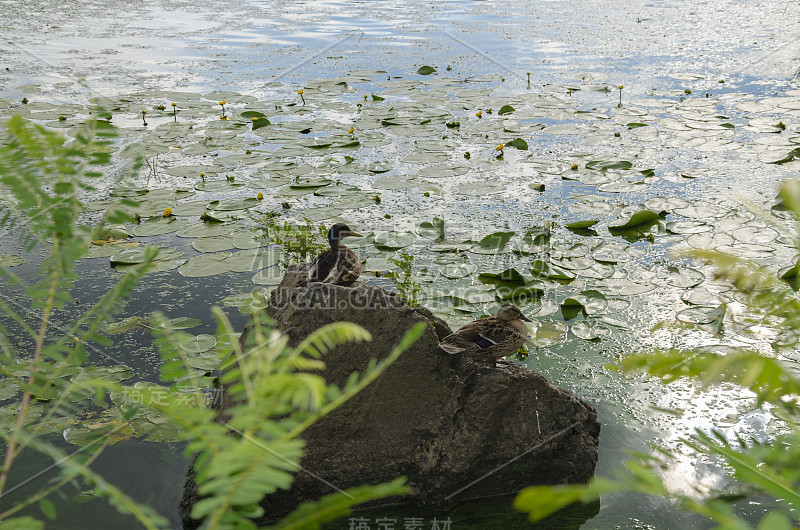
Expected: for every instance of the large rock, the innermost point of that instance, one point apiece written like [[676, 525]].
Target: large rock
[[455, 428]]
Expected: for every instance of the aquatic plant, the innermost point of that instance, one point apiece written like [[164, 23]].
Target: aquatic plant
[[41, 173], [408, 289], [301, 243], [768, 468]]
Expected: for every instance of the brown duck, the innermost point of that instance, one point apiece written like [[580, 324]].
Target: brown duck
[[339, 265], [492, 338]]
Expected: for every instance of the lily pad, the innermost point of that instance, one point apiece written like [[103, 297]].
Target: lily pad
[[181, 323], [432, 230], [205, 265], [229, 205], [212, 244], [457, 270], [590, 330], [493, 243], [141, 254], [640, 219], [159, 225], [11, 260], [198, 343], [394, 240], [549, 333], [217, 185]]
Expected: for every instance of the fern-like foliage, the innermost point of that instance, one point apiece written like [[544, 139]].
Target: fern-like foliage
[[42, 177], [770, 469], [273, 399]]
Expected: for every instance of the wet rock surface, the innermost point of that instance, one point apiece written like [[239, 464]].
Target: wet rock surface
[[455, 428]]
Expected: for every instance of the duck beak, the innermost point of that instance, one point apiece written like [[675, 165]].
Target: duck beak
[[350, 233], [523, 317]]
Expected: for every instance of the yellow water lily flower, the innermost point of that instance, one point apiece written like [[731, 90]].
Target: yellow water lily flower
[[167, 212], [260, 196]]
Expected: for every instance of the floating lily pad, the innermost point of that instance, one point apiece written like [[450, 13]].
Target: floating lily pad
[[11, 260], [181, 323], [310, 183], [212, 244], [217, 185], [394, 240], [432, 230], [493, 243], [253, 259], [580, 225], [141, 254], [481, 188], [640, 219], [208, 229], [8, 388], [229, 205], [159, 225], [205, 265], [549, 333], [709, 317], [509, 275], [457, 270], [192, 171], [684, 277], [198, 343], [273, 182], [590, 330]]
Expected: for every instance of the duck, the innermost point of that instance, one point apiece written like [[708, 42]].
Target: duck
[[489, 339], [339, 265]]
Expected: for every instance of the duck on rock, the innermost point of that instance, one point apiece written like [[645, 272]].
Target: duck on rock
[[492, 338], [339, 265]]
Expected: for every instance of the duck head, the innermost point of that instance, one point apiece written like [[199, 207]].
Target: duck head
[[511, 312], [338, 232]]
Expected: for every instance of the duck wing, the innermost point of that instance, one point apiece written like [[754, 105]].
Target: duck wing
[[484, 333], [320, 269], [340, 267]]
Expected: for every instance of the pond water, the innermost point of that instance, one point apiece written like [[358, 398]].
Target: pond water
[[710, 101]]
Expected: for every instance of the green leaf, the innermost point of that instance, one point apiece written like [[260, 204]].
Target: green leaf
[[576, 225], [638, 219], [48, 508], [495, 241], [540, 501], [260, 122], [609, 164], [426, 70], [518, 143], [22, 523], [432, 230], [248, 114], [505, 109], [311, 515]]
